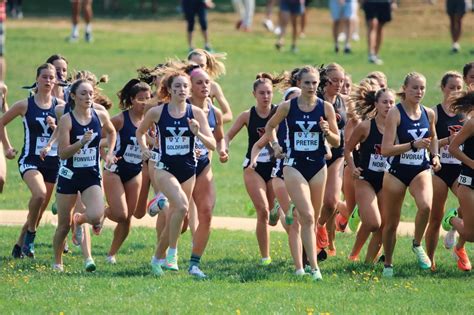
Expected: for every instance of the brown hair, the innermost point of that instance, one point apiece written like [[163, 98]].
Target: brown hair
[[214, 66], [163, 93], [462, 102], [130, 91], [264, 77], [448, 75]]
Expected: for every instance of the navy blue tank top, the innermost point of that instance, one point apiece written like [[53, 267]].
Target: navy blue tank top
[[176, 139], [370, 158], [211, 119], [37, 134], [305, 136], [341, 118], [282, 135], [255, 130], [446, 126], [127, 146], [409, 130], [87, 158], [465, 169]]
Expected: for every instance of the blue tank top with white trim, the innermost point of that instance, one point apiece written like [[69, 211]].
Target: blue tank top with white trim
[[126, 146]]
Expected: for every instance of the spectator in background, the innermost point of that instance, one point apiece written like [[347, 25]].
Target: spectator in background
[[377, 14], [289, 11], [14, 7], [342, 11], [191, 8], [267, 22], [456, 10], [246, 10], [75, 15]]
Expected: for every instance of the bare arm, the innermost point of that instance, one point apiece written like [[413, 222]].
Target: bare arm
[[18, 109], [219, 135], [359, 134], [65, 149], [331, 132], [109, 129], [216, 92], [241, 121], [434, 149], [152, 116], [389, 148], [270, 128], [466, 132], [200, 128]]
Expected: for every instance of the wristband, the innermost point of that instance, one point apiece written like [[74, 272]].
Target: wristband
[[274, 143]]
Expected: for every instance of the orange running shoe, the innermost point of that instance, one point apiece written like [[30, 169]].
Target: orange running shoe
[[354, 258], [332, 252], [322, 239], [341, 223], [461, 257]]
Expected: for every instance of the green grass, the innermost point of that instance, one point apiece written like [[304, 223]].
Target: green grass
[[236, 283], [121, 46]]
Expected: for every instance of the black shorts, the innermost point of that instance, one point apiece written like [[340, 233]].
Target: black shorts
[[449, 173], [406, 173], [380, 11], [182, 169], [337, 153], [456, 7], [202, 163], [307, 168], [466, 178], [263, 169], [78, 182], [375, 179], [50, 173], [125, 173]]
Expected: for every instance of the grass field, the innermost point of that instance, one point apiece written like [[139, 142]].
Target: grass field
[[236, 285], [417, 39]]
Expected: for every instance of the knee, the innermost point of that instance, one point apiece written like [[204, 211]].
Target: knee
[[331, 202], [390, 227], [424, 208], [38, 197], [205, 218], [63, 229], [262, 215], [373, 226], [306, 219]]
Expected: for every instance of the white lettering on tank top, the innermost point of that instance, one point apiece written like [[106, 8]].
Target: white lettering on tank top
[[85, 157], [44, 138], [133, 153], [446, 157], [177, 144], [306, 140], [377, 163]]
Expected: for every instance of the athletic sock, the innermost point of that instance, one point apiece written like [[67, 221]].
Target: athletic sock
[[415, 244], [75, 31], [29, 237], [195, 260], [172, 251], [88, 28]]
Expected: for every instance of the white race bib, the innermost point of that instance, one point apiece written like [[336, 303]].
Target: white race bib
[[446, 157], [264, 155], [155, 156], [377, 163], [177, 145], [198, 145], [65, 172], [41, 143], [86, 157], [306, 141], [132, 154], [465, 180], [289, 161], [412, 158]]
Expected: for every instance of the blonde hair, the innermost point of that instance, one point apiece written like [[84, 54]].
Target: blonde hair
[[407, 80], [99, 98], [448, 75], [214, 66]]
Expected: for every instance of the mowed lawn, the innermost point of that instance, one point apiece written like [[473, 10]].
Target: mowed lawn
[[417, 39], [236, 284]]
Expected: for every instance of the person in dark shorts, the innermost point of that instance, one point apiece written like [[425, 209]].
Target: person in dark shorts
[[456, 10]]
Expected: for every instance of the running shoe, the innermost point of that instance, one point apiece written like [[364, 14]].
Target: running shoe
[[171, 263], [354, 220], [54, 208], [196, 272], [322, 254], [316, 275], [157, 204], [16, 252], [58, 268], [300, 272], [341, 223], [274, 214], [375, 60], [450, 239], [387, 271], [156, 269], [88, 37], [89, 265], [73, 38], [460, 256], [28, 248], [265, 261], [423, 261], [78, 235], [111, 260], [66, 248], [322, 240], [446, 222], [289, 218], [208, 49], [331, 252], [268, 24], [354, 258]]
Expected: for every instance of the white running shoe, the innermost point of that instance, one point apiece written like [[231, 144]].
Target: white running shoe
[[58, 267], [111, 260], [341, 37], [157, 204], [268, 24], [89, 265], [423, 261], [277, 31], [450, 239], [196, 272]]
